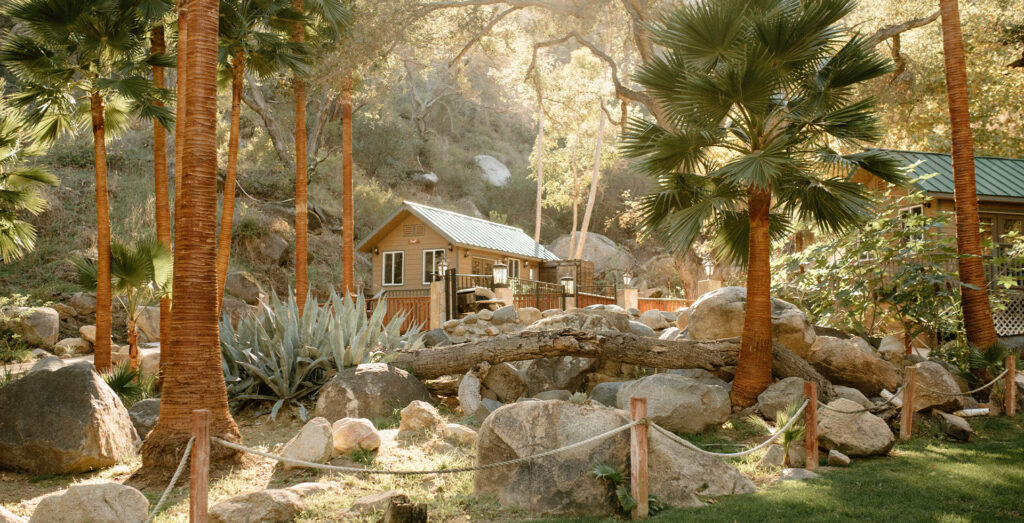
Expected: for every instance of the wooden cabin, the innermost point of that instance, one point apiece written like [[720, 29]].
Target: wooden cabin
[[410, 244]]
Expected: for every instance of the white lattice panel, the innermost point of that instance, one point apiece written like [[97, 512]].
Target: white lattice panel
[[1010, 322]]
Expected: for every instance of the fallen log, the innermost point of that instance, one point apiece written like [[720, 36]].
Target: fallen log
[[610, 346]]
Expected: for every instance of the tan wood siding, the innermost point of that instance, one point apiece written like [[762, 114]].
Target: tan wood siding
[[412, 237]]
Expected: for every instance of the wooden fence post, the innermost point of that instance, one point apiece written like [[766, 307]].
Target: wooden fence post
[[811, 426], [638, 457], [1011, 386], [200, 473], [907, 414]]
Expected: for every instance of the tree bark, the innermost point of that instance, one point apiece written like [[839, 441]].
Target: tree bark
[[593, 191], [611, 346], [163, 204], [180, 116], [193, 378], [103, 292], [575, 197], [540, 167], [974, 295], [228, 209], [301, 211], [753, 374], [348, 206]]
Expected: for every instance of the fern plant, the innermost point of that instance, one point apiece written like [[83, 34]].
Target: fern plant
[[793, 434], [283, 357], [619, 480]]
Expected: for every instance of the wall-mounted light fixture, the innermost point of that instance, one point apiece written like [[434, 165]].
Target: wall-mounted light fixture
[[451, 247], [376, 251]]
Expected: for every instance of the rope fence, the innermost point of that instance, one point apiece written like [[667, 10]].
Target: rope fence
[[968, 393], [670, 435]]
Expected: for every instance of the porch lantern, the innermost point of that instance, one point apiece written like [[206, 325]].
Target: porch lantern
[[500, 272], [568, 286], [442, 269], [627, 278], [709, 267]]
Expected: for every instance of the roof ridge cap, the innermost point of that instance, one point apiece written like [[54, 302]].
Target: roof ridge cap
[[489, 222]]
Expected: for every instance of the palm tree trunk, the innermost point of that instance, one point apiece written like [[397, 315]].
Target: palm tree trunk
[[540, 168], [754, 370], [301, 216], [103, 295], [974, 296], [595, 179], [163, 205], [348, 224], [228, 209], [575, 198], [133, 345], [180, 116], [193, 378]]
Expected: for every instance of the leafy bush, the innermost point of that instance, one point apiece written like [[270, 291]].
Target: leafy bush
[[619, 480], [281, 357], [793, 434]]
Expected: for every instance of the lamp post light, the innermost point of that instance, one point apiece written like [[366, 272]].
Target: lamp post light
[[627, 278], [500, 273], [442, 269], [568, 286], [709, 267]]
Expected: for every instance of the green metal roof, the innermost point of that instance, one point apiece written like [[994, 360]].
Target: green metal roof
[[476, 232], [1001, 177]]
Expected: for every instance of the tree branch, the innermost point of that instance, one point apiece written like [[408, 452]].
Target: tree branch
[[253, 98], [554, 7], [483, 32], [890, 31]]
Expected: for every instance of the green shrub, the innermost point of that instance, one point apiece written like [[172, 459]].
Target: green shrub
[[130, 385], [281, 357]]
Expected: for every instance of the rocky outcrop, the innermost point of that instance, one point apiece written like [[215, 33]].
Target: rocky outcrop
[[779, 396], [63, 421], [93, 503], [83, 302], [144, 415], [244, 286], [504, 383], [370, 390], [149, 323], [38, 326], [566, 372], [844, 364], [314, 443], [492, 170], [599, 249], [419, 415], [935, 388], [719, 314], [563, 484], [459, 434], [679, 403], [862, 434], [266, 505], [71, 347]]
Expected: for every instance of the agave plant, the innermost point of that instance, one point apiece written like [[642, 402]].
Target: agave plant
[[281, 356]]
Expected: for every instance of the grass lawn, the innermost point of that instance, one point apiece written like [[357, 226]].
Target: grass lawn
[[929, 478]]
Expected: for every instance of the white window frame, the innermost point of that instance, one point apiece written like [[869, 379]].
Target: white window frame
[[428, 273], [513, 262], [385, 266]]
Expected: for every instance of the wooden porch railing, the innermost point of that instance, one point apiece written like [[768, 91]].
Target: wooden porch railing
[[662, 304], [414, 304]]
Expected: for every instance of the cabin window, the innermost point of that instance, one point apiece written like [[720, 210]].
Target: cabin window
[[513, 268], [394, 268], [430, 260]]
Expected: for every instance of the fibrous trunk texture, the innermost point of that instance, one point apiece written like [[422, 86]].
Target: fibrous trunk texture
[[974, 296], [228, 209], [193, 378], [103, 292], [348, 238], [301, 216], [753, 374], [162, 198]]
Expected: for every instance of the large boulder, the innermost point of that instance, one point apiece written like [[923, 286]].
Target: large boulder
[[599, 249], [352, 434], [419, 415], [935, 388], [563, 483], [259, 506], [861, 434], [144, 415], [243, 286], [63, 421], [84, 302], [93, 503], [719, 314], [314, 442], [149, 323], [780, 395], [71, 347], [641, 329], [36, 325], [891, 349], [589, 320], [492, 170], [557, 373], [606, 393], [370, 390], [679, 403], [6, 516], [88, 333], [505, 382], [655, 320], [844, 364]]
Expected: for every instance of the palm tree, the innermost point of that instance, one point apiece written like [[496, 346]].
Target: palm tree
[[348, 234], [759, 93], [19, 186], [158, 46], [192, 375], [140, 275], [247, 43], [974, 294], [85, 59]]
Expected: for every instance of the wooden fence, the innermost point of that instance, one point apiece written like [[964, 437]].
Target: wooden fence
[[539, 294], [414, 304], [595, 295], [662, 304]]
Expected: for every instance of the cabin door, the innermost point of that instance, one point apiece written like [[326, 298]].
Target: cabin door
[[482, 266]]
